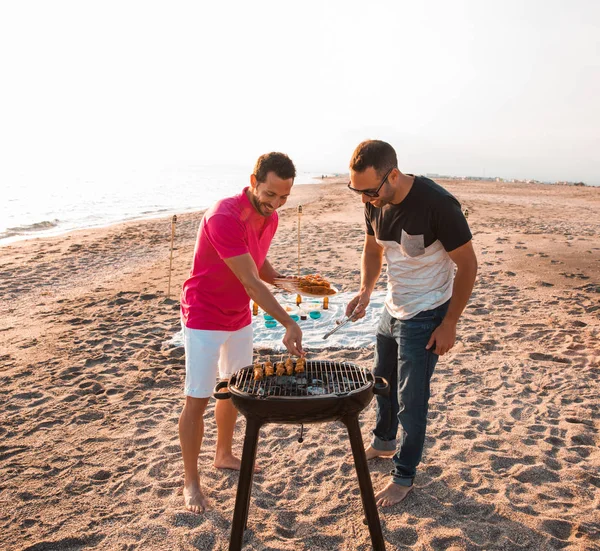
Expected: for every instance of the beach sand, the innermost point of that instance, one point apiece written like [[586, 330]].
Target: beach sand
[[91, 392]]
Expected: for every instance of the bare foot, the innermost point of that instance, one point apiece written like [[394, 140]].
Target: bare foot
[[195, 500], [230, 462], [392, 494], [372, 453]]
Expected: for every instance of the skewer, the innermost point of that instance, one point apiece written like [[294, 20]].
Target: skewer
[[289, 366], [280, 367], [300, 365], [258, 371], [269, 370]]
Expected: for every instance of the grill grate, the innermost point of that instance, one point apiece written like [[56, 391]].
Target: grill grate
[[320, 378]]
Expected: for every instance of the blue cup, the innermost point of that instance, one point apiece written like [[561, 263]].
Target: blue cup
[[268, 318], [315, 314], [270, 323], [295, 317]]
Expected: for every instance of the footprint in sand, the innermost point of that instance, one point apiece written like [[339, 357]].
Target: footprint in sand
[[539, 356], [450, 543], [101, 476], [537, 475], [559, 529], [80, 542]]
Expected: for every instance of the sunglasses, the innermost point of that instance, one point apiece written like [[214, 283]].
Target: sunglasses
[[371, 192]]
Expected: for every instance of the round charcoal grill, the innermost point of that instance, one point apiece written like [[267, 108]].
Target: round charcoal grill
[[326, 391]]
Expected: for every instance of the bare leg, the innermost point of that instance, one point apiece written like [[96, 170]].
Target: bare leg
[[372, 453], [191, 432], [225, 415], [392, 494]]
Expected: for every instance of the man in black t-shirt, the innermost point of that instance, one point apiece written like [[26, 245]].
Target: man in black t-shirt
[[420, 229]]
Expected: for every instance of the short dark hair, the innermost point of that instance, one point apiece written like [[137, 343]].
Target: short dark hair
[[279, 163], [380, 155]]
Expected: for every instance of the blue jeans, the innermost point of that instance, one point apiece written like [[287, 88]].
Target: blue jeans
[[402, 359]]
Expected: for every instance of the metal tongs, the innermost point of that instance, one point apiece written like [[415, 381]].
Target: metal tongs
[[345, 320]]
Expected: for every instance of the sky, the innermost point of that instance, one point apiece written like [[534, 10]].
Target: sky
[[479, 87]]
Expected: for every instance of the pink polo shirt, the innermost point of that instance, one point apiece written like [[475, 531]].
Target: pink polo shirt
[[213, 298]]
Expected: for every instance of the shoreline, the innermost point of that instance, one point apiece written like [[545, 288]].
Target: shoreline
[[90, 455], [343, 178], [51, 232]]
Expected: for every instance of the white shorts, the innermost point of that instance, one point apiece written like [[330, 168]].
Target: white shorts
[[209, 354]]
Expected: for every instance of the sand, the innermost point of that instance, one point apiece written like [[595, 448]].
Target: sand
[[91, 394]]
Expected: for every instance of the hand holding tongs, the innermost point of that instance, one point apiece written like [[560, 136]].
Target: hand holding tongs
[[345, 321]]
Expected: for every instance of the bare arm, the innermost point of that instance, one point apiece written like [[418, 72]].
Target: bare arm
[[466, 264], [267, 272], [466, 271], [371, 263], [244, 267]]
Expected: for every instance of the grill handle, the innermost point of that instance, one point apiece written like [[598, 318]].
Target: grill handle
[[221, 395], [381, 387]]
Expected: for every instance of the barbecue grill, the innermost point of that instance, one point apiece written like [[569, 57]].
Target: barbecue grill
[[325, 391]]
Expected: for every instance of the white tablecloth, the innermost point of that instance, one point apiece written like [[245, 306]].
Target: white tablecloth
[[359, 334]]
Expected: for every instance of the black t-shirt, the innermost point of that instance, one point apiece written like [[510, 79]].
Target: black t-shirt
[[428, 210], [416, 236]]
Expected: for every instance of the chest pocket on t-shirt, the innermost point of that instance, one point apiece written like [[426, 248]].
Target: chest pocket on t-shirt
[[412, 245]]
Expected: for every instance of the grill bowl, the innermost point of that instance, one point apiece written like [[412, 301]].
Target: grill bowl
[[348, 389]]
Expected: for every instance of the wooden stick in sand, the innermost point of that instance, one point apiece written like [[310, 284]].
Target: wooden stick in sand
[[173, 222], [298, 297]]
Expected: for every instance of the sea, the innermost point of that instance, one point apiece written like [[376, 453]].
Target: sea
[[36, 209]]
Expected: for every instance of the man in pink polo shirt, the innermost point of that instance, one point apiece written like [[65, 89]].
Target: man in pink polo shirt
[[229, 268]]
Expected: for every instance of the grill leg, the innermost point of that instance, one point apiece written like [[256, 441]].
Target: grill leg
[[364, 482], [242, 499]]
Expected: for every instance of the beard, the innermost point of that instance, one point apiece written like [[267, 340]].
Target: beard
[[265, 209], [380, 203]]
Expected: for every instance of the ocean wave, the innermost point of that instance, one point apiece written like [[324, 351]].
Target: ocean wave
[[155, 211], [30, 228]]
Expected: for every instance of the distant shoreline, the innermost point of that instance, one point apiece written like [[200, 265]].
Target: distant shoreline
[[337, 178]]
